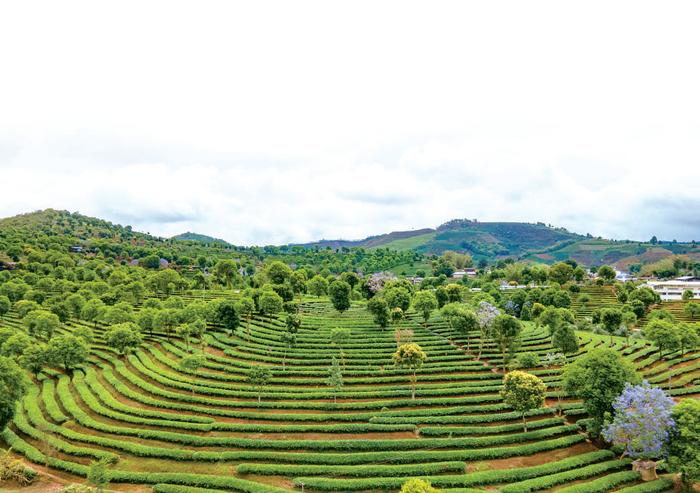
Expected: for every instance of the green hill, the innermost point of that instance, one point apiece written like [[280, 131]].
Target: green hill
[[534, 242], [481, 239], [188, 236]]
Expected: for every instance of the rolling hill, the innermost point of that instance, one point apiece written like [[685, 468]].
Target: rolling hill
[[481, 239], [535, 242]]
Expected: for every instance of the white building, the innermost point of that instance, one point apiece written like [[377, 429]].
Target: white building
[[624, 276], [460, 274], [673, 290]]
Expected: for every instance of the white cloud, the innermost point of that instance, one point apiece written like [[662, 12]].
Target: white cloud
[[270, 122]]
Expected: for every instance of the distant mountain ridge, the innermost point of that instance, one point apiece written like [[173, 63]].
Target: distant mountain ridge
[[189, 236], [534, 242], [478, 238]]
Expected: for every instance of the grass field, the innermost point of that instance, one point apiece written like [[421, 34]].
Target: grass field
[[174, 431]]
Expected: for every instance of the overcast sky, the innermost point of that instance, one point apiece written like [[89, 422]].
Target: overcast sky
[[271, 122]]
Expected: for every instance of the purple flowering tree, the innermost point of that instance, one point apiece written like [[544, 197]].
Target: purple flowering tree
[[642, 423], [486, 313], [511, 308]]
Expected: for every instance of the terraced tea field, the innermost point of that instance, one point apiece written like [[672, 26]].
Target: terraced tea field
[[177, 431]]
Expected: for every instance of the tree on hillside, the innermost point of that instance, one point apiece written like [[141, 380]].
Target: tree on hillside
[[561, 272], [611, 319], [606, 272], [246, 308], [258, 378], [398, 297], [298, 282], [687, 295], [397, 316], [692, 310], [379, 309], [684, 446], [598, 377], [338, 338], [642, 421], [41, 324], [191, 364], [664, 335], [227, 315], [523, 392], [689, 336], [196, 329], [410, 356], [550, 317], [339, 292], [645, 295], [455, 293], [506, 334], [146, 318], [318, 285], [486, 313], [278, 272], [15, 345], [293, 323], [565, 339], [75, 304], [335, 379], [5, 306], [35, 358], [166, 319], [270, 303], [424, 302], [289, 339], [68, 351], [14, 384], [225, 272], [351, 278], [464, 321]]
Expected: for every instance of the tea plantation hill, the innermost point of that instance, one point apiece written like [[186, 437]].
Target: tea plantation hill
[[173, 428], [207, 427]]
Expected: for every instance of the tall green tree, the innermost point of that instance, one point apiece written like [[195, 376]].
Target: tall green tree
[[191, 364], [227, 315], [598, 377], [246, 308], [611, 319], [258, 378], [664, 334], [13, 385], [523, 392], [424, 302], [506, 334], [68, 351], [5, 306], [410, 356], [684, 446], [318, 285], [339, 292], [124, 337], [270, 303], [335, 379], [565, 339], [379, 309], [278, 272]]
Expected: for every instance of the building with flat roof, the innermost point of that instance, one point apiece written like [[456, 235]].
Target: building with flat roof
[[673, 290]]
